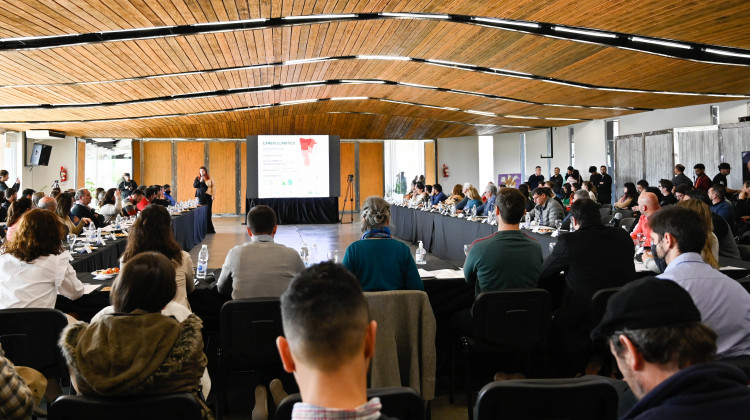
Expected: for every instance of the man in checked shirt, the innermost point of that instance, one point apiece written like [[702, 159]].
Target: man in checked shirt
[[16, 399]]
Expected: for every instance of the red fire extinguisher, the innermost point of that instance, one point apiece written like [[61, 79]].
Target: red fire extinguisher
[[63, 174]]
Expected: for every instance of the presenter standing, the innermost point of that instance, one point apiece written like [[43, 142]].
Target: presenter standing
[[205, 190]]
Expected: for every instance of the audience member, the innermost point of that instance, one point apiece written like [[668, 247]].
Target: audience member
[[17, 402], [679, 176], [16, 212], [682, 191], [48, 203], [328, 343], [111, 205], [721, 178], [594, 177], [152, 231], [524, 189], [75, 225], [604, 188], [259, 268], [82, 210], [648, 203], [578, 195], [149, 194], [54, 192], [679, 237], [456, 195], [546, 211], [97, 197], [727, 245], [34, 268], [629, 197], [566, 195], [438, 196], [491, 195], [664, 352], [168, 194], [536, 179], [590, 189], [35, 198], [593, 257], [573, 176], [461, 204], [665, 187], [129, 207], [641, 186], [419, 196], [720, 206], [136, 350], [127, 186], [4, 177], [558, 181], [474, 200], [160, 199], [710, 251], [10, 197], [380, 262], [702, 181]]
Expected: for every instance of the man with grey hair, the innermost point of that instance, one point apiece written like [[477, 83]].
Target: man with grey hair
[[81, 209], [259, 268], [47, 203], [578, 195], [491, 194]]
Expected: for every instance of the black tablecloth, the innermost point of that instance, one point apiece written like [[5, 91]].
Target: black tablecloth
[[190, 227], [105, 256], [291, 211]]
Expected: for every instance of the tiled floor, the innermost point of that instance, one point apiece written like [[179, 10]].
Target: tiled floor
[[230, 232]]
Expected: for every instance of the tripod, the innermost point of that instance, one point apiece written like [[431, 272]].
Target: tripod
[[349, 195]]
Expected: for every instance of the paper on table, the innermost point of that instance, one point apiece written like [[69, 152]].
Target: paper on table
[[424, 273], [447, 274], [730, 267], [88, 288]]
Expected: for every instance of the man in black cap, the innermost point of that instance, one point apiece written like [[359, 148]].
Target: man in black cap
[[665, 354]]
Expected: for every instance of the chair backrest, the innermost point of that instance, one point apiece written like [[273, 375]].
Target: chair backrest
[[627, 224], [625, 213], [605, 211], [744, 251], [249, 328], [182, 406], [514, 317], [598, 305], [745, 282], [29, 337], [580, 399], [398, 402]]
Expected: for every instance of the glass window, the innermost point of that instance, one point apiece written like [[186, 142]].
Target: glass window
[[404, 161]]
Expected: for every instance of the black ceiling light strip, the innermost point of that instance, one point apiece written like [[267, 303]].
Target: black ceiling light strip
[[301, 102], [700, 52], [434, 62], [257, 89]]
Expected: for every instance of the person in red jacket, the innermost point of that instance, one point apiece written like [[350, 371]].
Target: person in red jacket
[[702, 180]]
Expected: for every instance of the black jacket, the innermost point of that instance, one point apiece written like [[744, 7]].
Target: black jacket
[[80, 211], [604, 189], [594, 257]]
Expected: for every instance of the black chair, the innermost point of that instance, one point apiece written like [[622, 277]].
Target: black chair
[[29, 337], [504, 321], [745, 282], [580, 399], [598, 305], [398, 402], [627, 224], [248, 328], [605, 211], [626, 213], [182, 406], [744, 251]]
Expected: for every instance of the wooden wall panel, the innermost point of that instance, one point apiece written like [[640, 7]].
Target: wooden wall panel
[[190, 157], [346, 154], [222, 167], [243, 176], [157, 163], [371, 179], [136, 172], [80, 165], [429, 163]]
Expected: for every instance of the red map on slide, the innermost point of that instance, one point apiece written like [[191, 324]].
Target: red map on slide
[[306, 143]]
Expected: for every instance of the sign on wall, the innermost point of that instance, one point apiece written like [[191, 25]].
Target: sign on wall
[[509, 180]]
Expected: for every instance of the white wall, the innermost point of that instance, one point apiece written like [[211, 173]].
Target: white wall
[[689, 116], [41, 178], [461, 154], [507, 151]]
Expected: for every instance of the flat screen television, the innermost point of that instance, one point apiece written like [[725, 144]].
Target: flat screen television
[[40, 155]]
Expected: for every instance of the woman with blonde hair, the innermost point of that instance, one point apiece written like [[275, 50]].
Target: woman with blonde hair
[[710, 252], [380, 262]]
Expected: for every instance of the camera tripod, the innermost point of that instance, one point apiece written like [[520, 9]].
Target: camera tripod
[[349, 196]]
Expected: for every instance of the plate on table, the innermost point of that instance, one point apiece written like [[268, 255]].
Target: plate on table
[[80, 249], [106, 273], [544, 229], [121, 235]]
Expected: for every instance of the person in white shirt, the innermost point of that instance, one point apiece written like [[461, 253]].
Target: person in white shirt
[[34, 268], [111, 205]]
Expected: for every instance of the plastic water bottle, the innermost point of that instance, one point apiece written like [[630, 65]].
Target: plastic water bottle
[[314, 254], [421, 255], [527, 221], [200, 271], [304, 253]]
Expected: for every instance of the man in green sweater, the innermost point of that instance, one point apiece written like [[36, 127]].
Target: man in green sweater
[[509, 259]]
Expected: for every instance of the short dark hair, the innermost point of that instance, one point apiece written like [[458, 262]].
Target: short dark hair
[[586, 212], [592, 169], [428, 188], [684, 344], [643, 183], [261, 220], [165, 186], [538, 167], [699, 194], [724, 165], [10, 191], [540, 191], [720, 190], [700, 166], [666, 184], [146, 282], [325, 315], [684, 224], [680, 167], [684, 189], [27, 192], [137, 191], [149, 192], [3, 172], [419, 185], [511, 203], [437, 187]]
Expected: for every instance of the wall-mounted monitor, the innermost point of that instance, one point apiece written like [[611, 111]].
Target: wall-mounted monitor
[[40, 155]]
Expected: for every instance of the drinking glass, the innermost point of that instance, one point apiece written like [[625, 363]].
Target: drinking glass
[[333, 255], [558, 225], [71, 241], [467, 248], [552, 246]]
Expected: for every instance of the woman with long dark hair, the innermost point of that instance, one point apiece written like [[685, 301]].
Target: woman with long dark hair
[[64, 204], [629, 197], [152, 231], [205, 190]]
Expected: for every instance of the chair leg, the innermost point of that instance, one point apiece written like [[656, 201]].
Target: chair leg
[[452, 375], [469, 386], [220, 397]]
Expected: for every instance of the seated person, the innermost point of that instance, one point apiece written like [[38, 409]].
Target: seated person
[[547, 211], [16, 212], [380, 262], [73, 224], [419, 196], [683, 191], [152, 231], [473, 199], [18, 400], [491, 195], [719, 204], [438, 196], [34, 267], [629, 197], [136, 350], [111, 205], [130, 206], [328, 344], [82, 210], [524, 188], [578, 195], [648, 203], [456, 195], [465, 191], [666, 187], [168, 194], [259, 268], [149, 194]]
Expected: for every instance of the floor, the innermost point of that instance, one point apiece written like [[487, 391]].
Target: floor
[[230, 232]]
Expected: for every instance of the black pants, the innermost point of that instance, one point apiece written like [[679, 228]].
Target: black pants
[[208, 201]]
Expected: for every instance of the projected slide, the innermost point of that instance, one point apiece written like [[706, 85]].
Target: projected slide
[[293, 166]]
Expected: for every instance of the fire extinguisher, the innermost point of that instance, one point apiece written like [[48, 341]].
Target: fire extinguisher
[[63, 174], [446, 174]]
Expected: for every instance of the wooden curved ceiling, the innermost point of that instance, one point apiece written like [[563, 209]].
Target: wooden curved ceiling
[[84, 74]]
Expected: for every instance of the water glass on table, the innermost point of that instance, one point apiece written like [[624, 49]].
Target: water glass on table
[[333, 255], [467, 248], [71, 241]]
